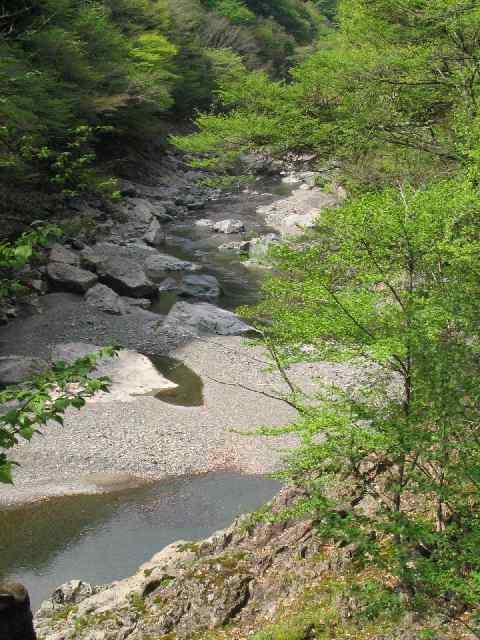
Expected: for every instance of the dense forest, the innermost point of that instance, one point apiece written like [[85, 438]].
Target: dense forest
[[77, 75], [389, 92]]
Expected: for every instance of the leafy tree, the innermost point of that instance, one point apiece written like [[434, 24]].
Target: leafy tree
[[388, 285], [31, 406]]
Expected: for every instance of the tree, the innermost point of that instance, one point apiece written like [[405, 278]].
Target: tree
[[28, 407], [389, 285]]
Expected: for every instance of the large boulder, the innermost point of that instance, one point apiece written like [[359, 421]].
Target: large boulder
[[204, 319], [16, 620], [229, 226], [202, 287], [66, 277], [299, 212], [121, 268], [59, 253], [159, 264], [17, 369], [104, 299]]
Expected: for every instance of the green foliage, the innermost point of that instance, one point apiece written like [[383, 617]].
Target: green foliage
[[15, 255], [398, 82], [388, 286], [32, 405]]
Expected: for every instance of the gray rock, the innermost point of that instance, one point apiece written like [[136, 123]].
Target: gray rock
[[168, 285], [59, 253], [16, 369], [229, 226], [157, 265], [39, 286], [205, 223], [204, 318], [105, 299], [155, 235], [66, 277], [235, 247], [259, 247], [70, 351], [202, 287], [258, 164], [141, 303]]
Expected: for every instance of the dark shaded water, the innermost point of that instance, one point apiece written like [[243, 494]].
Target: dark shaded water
[[190, 385], [185, 240], [105, 538]]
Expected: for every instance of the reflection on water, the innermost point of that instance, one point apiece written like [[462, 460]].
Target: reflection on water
[[104, 538], [190, 385]]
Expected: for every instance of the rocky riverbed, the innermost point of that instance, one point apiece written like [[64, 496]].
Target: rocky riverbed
[[162, 276], [169, 264]]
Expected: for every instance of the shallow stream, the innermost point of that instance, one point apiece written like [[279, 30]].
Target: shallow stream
[[102, 538]]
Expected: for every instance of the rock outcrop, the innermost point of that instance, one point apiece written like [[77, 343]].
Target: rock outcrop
[[237, 574]]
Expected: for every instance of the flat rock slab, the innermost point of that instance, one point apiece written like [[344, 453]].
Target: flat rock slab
[[132, 374]]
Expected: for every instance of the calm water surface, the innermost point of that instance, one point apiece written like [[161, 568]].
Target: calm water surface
[[105, 538]]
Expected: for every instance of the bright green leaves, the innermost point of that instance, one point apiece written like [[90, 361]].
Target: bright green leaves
[[14, 256], [45, 399], [388, 286]]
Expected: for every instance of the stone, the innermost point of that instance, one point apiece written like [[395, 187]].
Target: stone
[[300, 211], [202, 287], [66, 277], [132, 374], [157, 265], [16, 619], [235, 247], [155, 234], [204, 319], [121, 268], [258, 164], [259, 247], [205, 223], [39, 286], [168, 285], [17, 369], [229, 226], [105, 299], [59, 253], [141, 303]]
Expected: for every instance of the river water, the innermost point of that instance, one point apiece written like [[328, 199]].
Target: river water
[[101, 538]]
